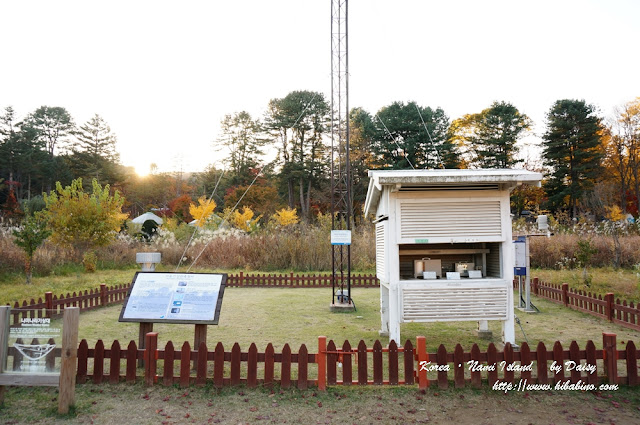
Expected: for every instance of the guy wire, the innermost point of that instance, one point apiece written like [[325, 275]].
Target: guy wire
[[196, 227], [395, 141], [247, 190], [435, 148], [227, 216]]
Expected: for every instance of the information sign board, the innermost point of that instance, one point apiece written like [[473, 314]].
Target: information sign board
[[341, 237], [159, 297], [33, 340]]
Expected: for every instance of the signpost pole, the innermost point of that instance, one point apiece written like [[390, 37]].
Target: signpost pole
[[145, 328], [200, 335], [4, 336], [527, 278], [67, 387]]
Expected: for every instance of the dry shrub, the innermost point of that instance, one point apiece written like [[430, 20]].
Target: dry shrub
[[305, 248], [12, 258], [559, 251]]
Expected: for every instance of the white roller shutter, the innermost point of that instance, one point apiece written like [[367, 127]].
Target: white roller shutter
[[427, 221], [429, 304]]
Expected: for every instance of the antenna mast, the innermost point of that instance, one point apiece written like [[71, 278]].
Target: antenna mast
[[341, 203]]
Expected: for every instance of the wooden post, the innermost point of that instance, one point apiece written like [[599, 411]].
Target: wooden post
[[69, 359], [321, 359], [150, 353], [565, 294], [609, 312], [48, 303], [5, 318], [610, 357], [103, 294], [200, 336], [423, 358], [145, 328], [535, 286], [241, 280]]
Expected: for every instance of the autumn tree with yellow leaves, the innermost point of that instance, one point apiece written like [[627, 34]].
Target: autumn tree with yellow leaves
[[202, 211], [81, 220], [244, 220], [285, 217]]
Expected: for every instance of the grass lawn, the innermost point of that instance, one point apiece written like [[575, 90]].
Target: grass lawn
[[299, 316], [625, 284]]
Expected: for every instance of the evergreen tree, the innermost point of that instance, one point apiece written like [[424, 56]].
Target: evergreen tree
[[572, 150], [491, 135], [94, 152], [402, 141], [23, 159], [241, 136], [297, 124]]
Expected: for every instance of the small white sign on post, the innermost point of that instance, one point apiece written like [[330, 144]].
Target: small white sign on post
[[341, 237]]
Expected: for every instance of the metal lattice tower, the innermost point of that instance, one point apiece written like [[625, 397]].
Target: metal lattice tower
[[341, 203]]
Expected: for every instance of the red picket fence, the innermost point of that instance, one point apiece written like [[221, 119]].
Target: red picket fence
[[347, 365], [53, 305], [621, 312], [297, 281]]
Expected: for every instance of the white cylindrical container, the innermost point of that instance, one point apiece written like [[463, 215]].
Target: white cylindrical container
[[148, 260]]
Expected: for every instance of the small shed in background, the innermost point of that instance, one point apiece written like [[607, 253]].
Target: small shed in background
[[444, 246], [147, 216]]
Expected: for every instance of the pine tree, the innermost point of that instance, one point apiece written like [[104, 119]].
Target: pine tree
[[94, 152], [572, 149]]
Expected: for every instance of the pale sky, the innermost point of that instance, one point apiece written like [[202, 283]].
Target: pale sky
[[163, 74]]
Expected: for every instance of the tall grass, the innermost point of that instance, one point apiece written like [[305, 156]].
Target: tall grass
[[560, 251], [303, 248]]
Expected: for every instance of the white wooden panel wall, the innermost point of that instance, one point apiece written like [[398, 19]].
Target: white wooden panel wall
[[433, 304], [380, 251], [472, 219]]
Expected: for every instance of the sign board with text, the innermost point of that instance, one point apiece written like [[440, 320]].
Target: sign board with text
[[341, 237], [32, 340], [159, 297]]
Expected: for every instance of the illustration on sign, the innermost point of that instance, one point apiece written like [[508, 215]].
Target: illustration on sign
[[34, 339]]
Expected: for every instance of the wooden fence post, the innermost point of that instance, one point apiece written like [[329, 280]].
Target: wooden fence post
[[69, 358], [48, 304], [535, 286], [150, 352], [609, 311], [610, 357], [241, 281], [565, 294], [423, 358], [5, 319], [321, 360], [103, 294]]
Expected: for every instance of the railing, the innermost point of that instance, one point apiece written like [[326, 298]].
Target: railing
[[556, 368], [622, 312]]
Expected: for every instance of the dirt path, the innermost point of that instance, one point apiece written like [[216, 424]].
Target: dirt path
[[108, 404]]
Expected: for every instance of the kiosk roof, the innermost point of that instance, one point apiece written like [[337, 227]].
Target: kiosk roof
[[443, 178]]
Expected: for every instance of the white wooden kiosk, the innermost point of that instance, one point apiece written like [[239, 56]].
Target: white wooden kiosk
[[456, 226]]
